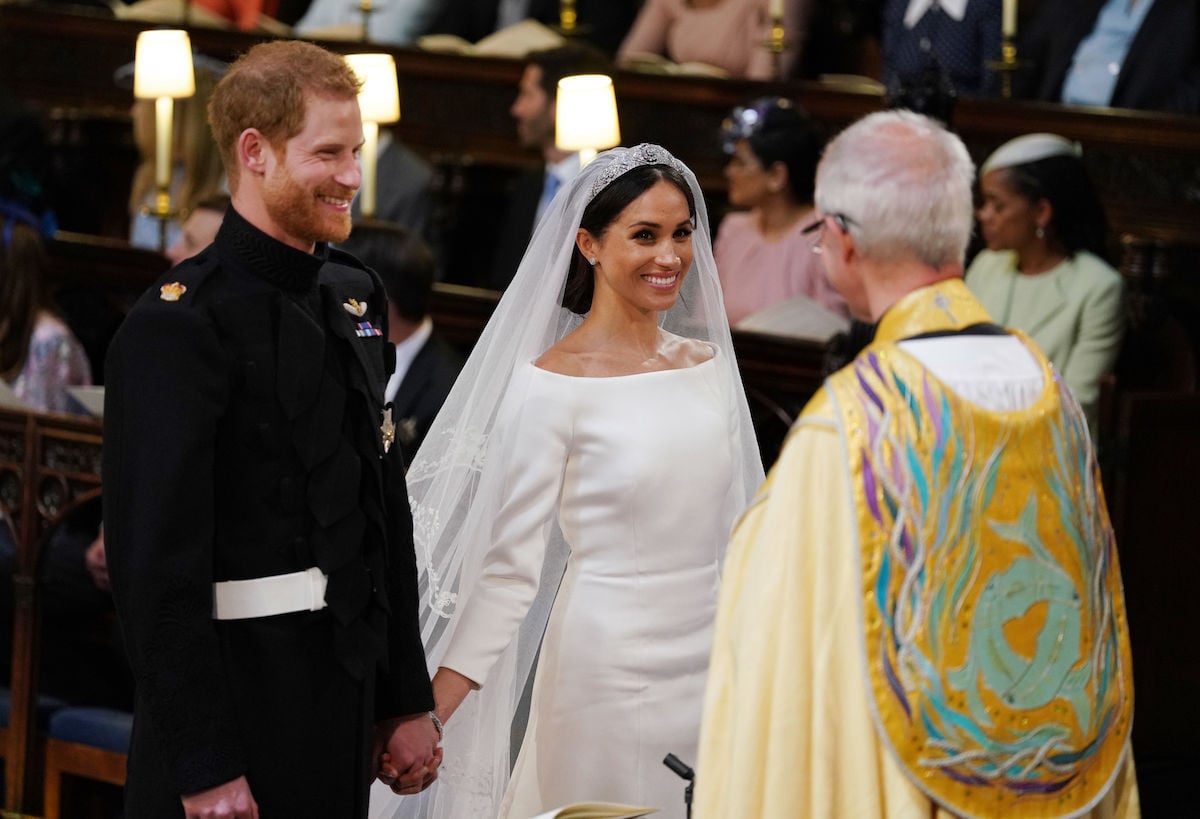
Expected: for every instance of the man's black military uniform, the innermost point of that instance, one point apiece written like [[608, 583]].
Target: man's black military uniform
[[243, 413]]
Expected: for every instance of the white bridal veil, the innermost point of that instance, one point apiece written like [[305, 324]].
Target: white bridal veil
[[455, 490]]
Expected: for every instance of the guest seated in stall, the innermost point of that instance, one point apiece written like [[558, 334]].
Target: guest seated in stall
[[196, 173], [396, 22], [40, 358], [199, 228], [1121, 53], [727, 36], [953, 37], [534, 110], [1044, 271], [426, 365], [601, 23], [764, 257], [404, 183]]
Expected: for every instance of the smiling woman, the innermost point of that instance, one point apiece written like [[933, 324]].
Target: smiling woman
[[547, 514]]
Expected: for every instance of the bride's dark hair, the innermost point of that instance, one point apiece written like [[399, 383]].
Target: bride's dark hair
[[600, 214]]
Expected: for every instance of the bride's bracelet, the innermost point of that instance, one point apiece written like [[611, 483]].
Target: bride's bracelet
[[437, 724]]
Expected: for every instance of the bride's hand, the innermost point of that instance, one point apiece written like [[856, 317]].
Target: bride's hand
[[449, 690]]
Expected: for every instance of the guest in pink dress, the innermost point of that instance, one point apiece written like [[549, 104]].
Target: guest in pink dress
[[763, 255], [727, 34]]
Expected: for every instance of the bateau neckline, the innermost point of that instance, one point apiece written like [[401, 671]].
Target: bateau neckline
[[704, 363]]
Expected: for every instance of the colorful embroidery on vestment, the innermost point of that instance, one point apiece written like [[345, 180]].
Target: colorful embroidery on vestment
[[997, 648]]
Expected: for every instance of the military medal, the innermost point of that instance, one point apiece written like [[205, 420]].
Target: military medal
[[387, 429]]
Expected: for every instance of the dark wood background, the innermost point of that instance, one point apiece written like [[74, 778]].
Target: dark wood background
[[455, 113]]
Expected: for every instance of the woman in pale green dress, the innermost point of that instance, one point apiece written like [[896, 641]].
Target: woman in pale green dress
[[1044, 271]]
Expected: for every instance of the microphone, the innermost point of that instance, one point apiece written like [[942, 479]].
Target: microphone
[[684, 772]]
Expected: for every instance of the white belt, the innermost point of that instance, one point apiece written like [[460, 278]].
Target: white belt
[[268, 596]]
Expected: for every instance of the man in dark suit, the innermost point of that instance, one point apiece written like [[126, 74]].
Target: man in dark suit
[[403, 184], [534, 110], [1123, 53], [426, 365], [256, 519]]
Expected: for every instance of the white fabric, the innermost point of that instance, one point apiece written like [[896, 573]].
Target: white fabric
[[1029, 148], [623, 661], [798, 317], [462, 484], [406, 351], [917, 8], [997, 373], [268, 596]]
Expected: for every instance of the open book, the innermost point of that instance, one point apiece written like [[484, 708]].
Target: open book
[[596, 810], [648, 63], [514, 41], [798, 317], [8, 398], [91, 398]]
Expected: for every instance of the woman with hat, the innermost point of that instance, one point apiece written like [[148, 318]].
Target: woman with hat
[[1044, 271]]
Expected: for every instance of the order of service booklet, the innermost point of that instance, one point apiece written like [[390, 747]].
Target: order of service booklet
[[596, 810]]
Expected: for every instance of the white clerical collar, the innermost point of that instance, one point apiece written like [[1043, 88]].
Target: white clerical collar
[[406, 351], [917, 8]]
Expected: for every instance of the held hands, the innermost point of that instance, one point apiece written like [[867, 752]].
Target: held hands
[[231, 800], [407, 753]]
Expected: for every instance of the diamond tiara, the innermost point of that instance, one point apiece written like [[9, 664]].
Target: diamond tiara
[[644, 154]]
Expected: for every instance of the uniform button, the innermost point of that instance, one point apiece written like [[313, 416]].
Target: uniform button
[[926, 45]]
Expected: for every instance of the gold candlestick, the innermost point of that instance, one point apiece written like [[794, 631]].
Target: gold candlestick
[[568, 20], [367, 9], [1007, 65], [163, 212], [777, 43]]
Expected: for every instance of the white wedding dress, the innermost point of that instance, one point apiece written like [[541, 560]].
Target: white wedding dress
[[638, 472]]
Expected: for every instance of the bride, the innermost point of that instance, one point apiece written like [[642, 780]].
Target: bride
[[572, 502]]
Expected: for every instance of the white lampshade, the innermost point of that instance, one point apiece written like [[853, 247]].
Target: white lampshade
[[162, 66], [379, 98], [586, 113]]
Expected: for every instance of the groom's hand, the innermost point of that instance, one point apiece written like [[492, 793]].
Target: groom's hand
[[231, 800], [408, 753]]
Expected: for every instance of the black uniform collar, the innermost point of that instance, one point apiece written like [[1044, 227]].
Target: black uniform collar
[[286, 267]]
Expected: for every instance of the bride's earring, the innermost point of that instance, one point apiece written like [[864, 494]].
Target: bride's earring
[[592, 261]]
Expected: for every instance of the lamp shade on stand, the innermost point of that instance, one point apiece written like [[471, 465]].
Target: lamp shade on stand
[[162, 71], [379, 101], [585, 117]]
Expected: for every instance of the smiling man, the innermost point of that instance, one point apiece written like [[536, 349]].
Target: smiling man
[[256, 518]]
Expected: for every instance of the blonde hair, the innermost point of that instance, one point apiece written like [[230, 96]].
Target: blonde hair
[[203, 174]]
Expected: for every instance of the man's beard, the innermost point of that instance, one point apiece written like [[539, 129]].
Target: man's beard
[[297, 210]]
